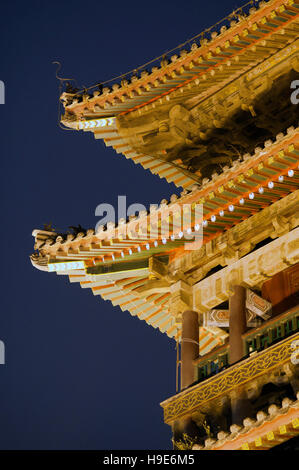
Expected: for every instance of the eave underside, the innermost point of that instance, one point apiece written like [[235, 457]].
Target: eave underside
[[210, 83]]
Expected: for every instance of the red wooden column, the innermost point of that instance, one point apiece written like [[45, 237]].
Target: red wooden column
[[237, 323], [189, 346], [240, 406], [189, 352]]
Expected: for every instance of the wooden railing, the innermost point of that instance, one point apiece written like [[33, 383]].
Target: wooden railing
[[254, 340]]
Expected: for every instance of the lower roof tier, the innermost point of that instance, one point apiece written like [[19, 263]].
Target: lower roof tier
[[135, 264], [144, 286], [280, 424]]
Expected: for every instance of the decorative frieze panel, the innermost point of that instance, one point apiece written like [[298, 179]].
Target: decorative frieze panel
[[194, 398], [258, 305], [250, 271], [220, 319], [273, 221]]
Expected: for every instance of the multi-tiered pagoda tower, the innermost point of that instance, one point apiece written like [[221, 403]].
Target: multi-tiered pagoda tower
[[219, 118]]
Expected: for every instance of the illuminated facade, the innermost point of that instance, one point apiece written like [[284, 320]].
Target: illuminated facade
[[220, 120]]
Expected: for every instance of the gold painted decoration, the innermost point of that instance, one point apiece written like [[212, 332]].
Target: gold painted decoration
[[220, 319], [257, 305], [262, 363]]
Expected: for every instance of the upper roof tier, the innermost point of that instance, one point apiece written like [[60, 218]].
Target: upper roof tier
[[203, 60], [200, 110]]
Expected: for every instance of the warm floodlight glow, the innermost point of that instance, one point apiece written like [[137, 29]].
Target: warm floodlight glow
[[291, 173], [68, 266], [95, 123]]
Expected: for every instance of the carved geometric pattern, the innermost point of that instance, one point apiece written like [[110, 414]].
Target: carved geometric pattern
[[262, 363], [250, 271]]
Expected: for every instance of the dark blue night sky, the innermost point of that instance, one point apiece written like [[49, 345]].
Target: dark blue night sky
[[79, 373]]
